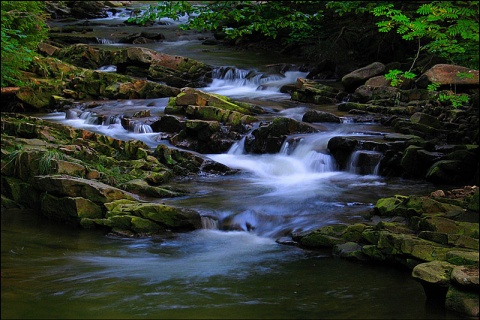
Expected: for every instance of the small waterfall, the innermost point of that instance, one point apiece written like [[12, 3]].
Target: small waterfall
[[347, 120], [245, 83], [364, 162], [104, 41], [109, 68], [90, 118], [112, 120], [209, 223], [136, 127], [238, 147]]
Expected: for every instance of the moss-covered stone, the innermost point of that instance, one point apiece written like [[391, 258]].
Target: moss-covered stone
[[464, 302], [353, 233], [463, 257], [168, 216], [69, 210]]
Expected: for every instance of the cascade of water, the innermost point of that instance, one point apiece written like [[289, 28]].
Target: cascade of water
[[238, 147], [209, 223], [238, 82], [111, 120], [109, 68], [364, 162], [104, 41], [140, 127]]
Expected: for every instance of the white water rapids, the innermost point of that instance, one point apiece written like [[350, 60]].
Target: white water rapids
[[298, 189]]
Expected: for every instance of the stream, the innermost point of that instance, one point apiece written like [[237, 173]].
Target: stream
[[54, 271]]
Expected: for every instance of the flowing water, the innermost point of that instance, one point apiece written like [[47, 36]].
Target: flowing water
[[52, 271]]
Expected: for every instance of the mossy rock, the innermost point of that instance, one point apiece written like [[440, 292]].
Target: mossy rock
[[353, 233], [463, 302], [463, 257], [373, 252], [168, 216]]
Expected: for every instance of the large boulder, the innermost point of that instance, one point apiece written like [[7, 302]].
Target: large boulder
[[270, 137], [310, 91], [448, 74], [358, 77], [176, 71]]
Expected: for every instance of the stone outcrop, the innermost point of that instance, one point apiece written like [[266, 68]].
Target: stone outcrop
[[426, 234], [72, 175]]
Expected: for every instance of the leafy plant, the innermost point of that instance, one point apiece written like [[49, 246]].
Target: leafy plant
[[457, 100], [23, 28], [448, 29], [294, 21], [396, 76]]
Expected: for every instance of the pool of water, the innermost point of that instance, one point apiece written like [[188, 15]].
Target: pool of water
[[51, 271]]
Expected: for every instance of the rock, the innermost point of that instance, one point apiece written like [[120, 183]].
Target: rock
[[87, 9], [69, 210], [320, 116], [269, 138], [168, 124], [139, 186], [434, 277], [466, 277], [364, 94], [178, 219], [358, 77], [95, 191], [190, 96], [465, 258], [464, 302], [349, 250], [414, 206], [325, 237], [447, 74], [423, 118], [313, 92], [378, 81]]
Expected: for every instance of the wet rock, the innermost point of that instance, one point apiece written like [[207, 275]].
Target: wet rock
[[269, 138], [320, 116], [168, 124]]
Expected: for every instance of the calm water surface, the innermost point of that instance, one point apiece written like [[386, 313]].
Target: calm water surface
[[50, 271]]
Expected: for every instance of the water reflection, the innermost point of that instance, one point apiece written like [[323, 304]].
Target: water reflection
[[49, 271]]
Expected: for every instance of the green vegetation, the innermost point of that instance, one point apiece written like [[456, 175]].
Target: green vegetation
[[23, 28], [445, 29], [46, 163], [292, 21]]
